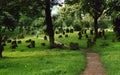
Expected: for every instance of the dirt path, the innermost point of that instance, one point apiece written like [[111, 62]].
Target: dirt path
[[94, 66]]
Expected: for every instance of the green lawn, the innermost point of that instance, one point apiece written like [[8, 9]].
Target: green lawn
[[110, 55], [41, 60]]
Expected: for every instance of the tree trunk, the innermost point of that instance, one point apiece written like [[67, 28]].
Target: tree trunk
[[96, 27], [49, 29], [1, 47]]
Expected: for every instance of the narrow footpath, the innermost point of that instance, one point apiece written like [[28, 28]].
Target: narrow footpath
[[94, 66]]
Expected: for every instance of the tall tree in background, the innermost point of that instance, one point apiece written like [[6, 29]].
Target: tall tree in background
[[114, 12], [48, 20], [95, 8]]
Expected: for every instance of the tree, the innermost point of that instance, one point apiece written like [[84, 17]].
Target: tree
[[95, 8], [114, 12], [48, 20], [10, 13]]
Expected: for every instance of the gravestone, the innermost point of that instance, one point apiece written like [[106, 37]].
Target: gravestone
[[60, 36], [43, 44], [66, 35], [13, 44], [103, 32], [74, 46], [79, 35], [45, 37], [56, 32], [31, 45], [58, 44], [91, 32], [19, 42], [63, 32], [29, 40], [85, 31], [67, 30], [9, 41], [86, 36], [99, 34], [71, 30], [89, 43]]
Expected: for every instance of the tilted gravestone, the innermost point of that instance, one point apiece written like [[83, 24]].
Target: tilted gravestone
[[90, 43], [13, 44], [45, 37], [19, 42], [66, 35], [29, 40], [43, 44], [91, 31], [71, 30], [31, 45], [86, 36], [74, 46], [67, 30], [60, 36], [79, 35], [9, 41]]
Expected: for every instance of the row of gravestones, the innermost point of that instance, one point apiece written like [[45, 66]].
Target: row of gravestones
[[14, 43], [65, 31], [90, 42]]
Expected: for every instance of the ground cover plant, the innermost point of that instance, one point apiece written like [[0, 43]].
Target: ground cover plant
[[41, 60]]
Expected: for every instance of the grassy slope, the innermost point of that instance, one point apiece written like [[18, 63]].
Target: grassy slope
[[110, 55], [41, 60]]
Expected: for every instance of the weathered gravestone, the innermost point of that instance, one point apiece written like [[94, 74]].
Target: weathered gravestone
[[45, 37], [79, 35], [89, 43], [31, 45], [9, 41], [29, 40], [74, 46], [19, 41], [60, 36], [13, 44], [43, 44], [67, 30], [71, 30], [91, 31], [86, 36], [66, 35]]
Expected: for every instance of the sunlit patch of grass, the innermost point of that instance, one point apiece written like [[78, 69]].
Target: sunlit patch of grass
[[41, 60], [72, 37]]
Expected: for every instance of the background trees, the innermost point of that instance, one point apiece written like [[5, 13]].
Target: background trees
[[75, 13], [95, 8], [114, 12]]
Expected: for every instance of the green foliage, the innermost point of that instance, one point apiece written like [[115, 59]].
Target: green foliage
[[7, 20], [77, 26], [94, 7], [25, 20]]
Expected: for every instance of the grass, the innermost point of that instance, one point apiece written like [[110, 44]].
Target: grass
[[72, 37], [41, 60], [110, 54]]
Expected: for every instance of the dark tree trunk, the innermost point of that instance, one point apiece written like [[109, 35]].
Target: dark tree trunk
[[49, 29], [1, 47], [96, 27]]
